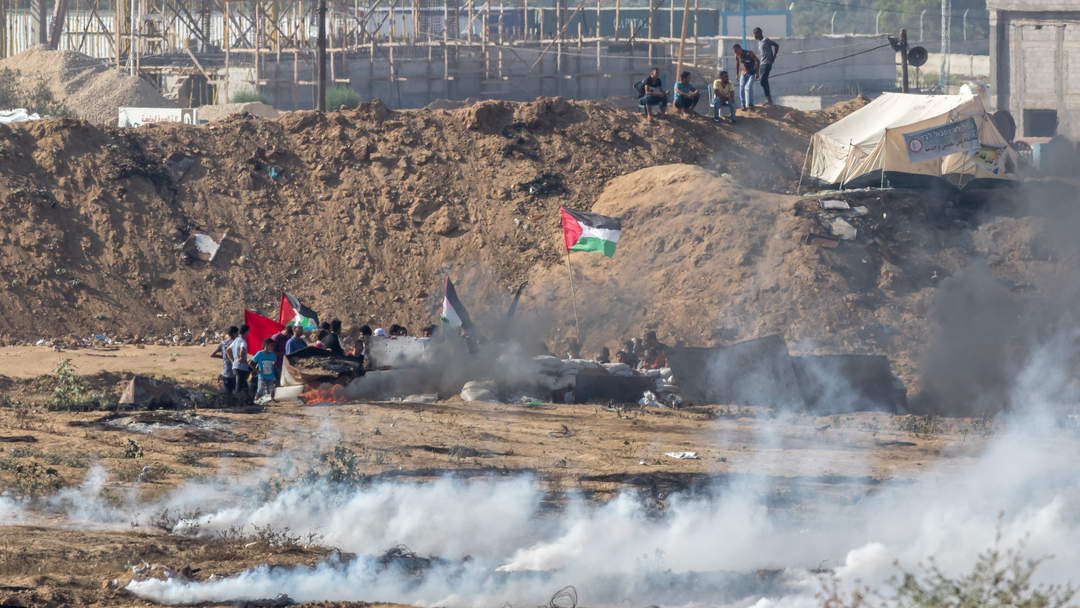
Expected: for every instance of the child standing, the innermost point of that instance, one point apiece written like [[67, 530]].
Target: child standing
[[264, 362]]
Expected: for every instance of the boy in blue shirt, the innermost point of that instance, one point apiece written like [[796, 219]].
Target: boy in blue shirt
[[264, 361], [686, 95]]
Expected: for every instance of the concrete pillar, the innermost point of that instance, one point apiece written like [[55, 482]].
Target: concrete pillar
[[999, 72]]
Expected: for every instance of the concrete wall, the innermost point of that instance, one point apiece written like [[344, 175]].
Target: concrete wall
[[1035, 62], [419, 78]]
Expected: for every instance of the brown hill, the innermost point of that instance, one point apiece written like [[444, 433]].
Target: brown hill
[[369, 210], [362, 213]]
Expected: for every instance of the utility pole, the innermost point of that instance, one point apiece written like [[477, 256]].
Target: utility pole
[[320, 100], [903, 59]]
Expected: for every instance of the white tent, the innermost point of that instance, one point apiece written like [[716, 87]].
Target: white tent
[[856, 150]]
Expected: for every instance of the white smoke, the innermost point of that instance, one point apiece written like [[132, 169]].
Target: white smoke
[[500, 545]]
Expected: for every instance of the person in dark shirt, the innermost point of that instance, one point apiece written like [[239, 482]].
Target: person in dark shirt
[[767, 51], [655, 95], [748, 65], [281, 339], [332, 341]]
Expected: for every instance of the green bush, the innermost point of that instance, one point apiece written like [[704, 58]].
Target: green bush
[[338, 98], [68, 393], [999, 579], [247, 96]]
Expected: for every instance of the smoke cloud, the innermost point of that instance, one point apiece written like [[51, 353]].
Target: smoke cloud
[[497, 543]]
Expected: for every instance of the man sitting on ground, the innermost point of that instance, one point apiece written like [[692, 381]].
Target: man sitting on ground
[[686, 95], [723, 95], [655, 95]]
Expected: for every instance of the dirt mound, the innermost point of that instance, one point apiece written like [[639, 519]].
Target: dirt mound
[[705, 261], [87, 87], [360, 213]]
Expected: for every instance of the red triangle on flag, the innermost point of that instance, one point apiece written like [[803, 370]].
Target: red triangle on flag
[[259, 329]]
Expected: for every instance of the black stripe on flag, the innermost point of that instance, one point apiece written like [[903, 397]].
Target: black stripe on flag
[[455, 303], [595, 220], [300, 309]]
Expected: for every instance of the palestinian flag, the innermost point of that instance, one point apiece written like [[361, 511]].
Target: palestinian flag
[[292, 312], [453, 311], [586, 231]]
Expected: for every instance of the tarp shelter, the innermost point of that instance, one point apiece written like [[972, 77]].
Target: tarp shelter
[[869, 148]]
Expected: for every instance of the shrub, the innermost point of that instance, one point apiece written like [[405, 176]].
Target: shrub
[[68, 393], [248, 95], [133, 450], [999, 579], [338, 98], [33, 479], [191, 458]]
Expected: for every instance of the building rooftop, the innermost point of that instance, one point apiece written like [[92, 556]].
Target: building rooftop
[[1035, 6]]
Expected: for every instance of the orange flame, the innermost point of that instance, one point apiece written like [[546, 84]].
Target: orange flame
[[324, 393]]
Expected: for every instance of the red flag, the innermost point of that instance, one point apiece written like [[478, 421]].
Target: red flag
[[259, 329]]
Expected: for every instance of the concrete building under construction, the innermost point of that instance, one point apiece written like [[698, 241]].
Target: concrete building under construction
[[410, 53]]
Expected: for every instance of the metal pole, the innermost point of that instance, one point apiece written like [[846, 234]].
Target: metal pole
[[903, 59], [320, 93], [922, 37], [966, 10], [743, 9], [944, 29], [131, 51], [832, 24], [877, 23]]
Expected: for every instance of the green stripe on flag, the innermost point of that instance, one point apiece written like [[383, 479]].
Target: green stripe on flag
[[588, 243]]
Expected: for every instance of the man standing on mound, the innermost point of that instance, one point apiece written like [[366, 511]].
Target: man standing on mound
[[767, 51]]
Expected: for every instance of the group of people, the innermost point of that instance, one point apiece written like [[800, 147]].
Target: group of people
[[639, 353], [244, 373], [750, 67]]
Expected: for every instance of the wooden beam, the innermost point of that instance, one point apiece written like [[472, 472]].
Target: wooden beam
[[559, 35], [59, 17]]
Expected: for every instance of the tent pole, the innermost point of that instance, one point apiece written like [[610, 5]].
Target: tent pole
[[798, 189]]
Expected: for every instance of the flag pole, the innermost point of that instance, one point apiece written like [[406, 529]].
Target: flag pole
[[573, 296]]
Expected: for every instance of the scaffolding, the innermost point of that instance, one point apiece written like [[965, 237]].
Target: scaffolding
[[209, 40]]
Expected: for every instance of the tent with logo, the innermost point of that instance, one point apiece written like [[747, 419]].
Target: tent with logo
[[906, 140]]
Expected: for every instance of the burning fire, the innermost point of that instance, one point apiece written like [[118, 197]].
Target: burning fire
[[324, 393]]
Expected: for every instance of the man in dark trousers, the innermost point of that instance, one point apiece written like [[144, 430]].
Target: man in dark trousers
[[767, 52]]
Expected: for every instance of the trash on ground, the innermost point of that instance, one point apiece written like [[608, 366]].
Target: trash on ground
[[833, 204], [17, 115], [200, 246], [178, 164], [844, 230], [142, 391], [683, 455]]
